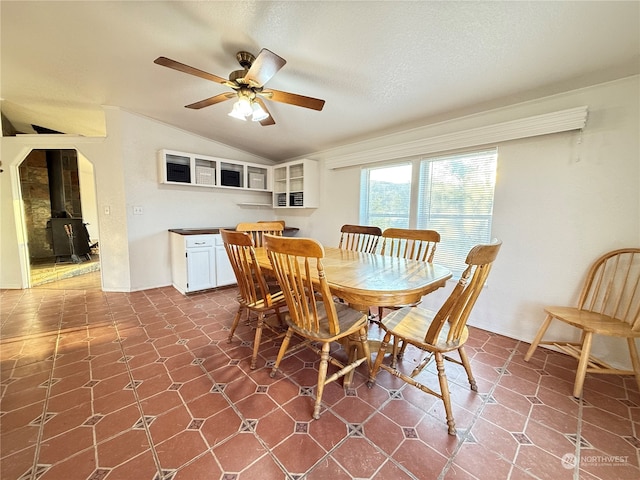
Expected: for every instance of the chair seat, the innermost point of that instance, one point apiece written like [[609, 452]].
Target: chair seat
[[592, 322], [350, 321], [412, 323]]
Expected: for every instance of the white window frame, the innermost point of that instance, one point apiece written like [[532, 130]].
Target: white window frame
[[452, 251]]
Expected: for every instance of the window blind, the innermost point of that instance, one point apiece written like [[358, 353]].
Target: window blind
[[456, 199]]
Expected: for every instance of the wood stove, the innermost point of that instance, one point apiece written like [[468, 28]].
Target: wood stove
[[60, 242]]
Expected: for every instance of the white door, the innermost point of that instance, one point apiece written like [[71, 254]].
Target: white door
[[224, 270], [201, 268]]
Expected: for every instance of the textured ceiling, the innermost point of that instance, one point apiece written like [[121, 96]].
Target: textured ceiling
[[381, 66]]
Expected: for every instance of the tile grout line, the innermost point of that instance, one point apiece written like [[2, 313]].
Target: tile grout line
[[478, 412], [389, 457], [91, 392], [243, 421], [156, 460], [635, 428], [576, 467], [242, 418], [576, 451], [269, 450], [349, 435], [526, 422], [54, 354], [213, 382]]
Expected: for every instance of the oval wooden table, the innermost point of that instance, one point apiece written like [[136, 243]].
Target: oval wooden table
[[368, 279]]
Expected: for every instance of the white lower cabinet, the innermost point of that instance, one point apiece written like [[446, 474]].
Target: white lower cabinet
[[224, 270], [197, 263]]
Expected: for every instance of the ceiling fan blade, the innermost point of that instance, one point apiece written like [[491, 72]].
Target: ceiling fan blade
[[293, 99], [167, 62], [269, 120], [211, 100], [263, 68]]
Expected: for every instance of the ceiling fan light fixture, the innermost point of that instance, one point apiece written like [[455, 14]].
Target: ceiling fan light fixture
[[244, 105], [258, 113], [236, 113]]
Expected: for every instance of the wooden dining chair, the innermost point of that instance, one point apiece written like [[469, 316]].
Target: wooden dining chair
[[282, 222], [258, 229], [254, 293], [313, 314], [360, 238], [411, 244], [439, 333], [609, 305]]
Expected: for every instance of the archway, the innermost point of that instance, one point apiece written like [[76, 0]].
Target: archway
[[60, 215]]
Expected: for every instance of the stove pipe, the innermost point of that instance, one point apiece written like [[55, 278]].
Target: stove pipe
[[56, 184]]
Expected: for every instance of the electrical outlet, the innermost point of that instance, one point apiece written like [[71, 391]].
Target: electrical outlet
[[137, 210]]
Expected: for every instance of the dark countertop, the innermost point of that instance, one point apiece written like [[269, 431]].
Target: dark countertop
[[288, 231], [199, 231]]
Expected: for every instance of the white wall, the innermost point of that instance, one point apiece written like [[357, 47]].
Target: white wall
[[107, 163], [134, 250], [561, 201], [88, 198], [171, 206]]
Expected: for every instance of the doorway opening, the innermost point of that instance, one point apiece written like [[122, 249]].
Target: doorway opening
[[61, 217]]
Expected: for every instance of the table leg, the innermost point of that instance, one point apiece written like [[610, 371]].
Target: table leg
[[354, 348]]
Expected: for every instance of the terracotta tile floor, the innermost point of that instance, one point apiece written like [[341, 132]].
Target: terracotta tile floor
[[144, 386]]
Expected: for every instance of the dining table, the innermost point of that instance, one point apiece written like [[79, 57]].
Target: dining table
[[365, 280]]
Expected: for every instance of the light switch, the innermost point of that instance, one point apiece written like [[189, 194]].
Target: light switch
[[107, 210]]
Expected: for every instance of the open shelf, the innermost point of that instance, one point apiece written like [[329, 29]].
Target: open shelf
[[181, 168]]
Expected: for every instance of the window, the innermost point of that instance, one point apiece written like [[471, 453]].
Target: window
[[385, 196], [453, 195]]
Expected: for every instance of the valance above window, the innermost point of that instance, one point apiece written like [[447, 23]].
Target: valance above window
[[555, 122]]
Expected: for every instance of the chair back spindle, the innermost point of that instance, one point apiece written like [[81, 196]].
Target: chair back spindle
[[359, 238], [258, 229], [300, 273], [455, 311], [612, 287], [411, 244], [252, 286]]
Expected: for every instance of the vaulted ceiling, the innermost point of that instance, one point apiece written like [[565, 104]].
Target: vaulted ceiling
[[381, 66]]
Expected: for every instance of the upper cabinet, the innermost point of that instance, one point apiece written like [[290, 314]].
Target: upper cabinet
[[201, 170], [295, 184]]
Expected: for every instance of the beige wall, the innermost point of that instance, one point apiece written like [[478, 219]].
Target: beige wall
[[561, 201]]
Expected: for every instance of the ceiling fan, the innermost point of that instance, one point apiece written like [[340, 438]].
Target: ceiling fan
[[248, 85]]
